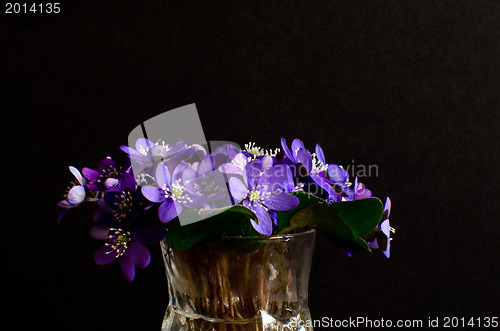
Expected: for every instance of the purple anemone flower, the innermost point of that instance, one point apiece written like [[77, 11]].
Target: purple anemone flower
[[338, 177], [128, 247], [106, 175], [169, 191], [315, 165], [148, 154], [295, 154], [204, 182], [122, 203], [383, 238], [262, 191], [76, 194], [357, 192]]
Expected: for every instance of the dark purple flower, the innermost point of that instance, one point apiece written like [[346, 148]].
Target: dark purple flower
[[106, 175], [126, 246], [121, 204], [262, 191]]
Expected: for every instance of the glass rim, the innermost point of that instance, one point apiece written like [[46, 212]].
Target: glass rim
[[274, 236]]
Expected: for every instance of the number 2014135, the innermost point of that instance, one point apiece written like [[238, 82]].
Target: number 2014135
[[32, 8]]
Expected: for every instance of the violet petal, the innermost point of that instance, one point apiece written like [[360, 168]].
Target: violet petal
[[169, 210], [106, 164], [337, 174], [91, 174], [320, 154], [281, 201], [153, 194], [230, 168], [76, 195], [139, 254], [387, 208], [274, 177], [64, 204], [127, 182], [77, 174], [177, 173], [265, 225], [142, 145], [373, 245], [252, 173], [286, 150], [297, 145], [363, 194], [206, 165], [104, 255], [305, 157], [130, 151], [127, 266], [238, 189], [99, 232], [323, 183], [163, 178], [385, 226], [267, 162], [110, 182]]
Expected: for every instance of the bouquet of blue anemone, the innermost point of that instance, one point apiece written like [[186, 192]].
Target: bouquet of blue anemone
[[189, 195]]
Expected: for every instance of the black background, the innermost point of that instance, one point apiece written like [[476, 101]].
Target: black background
[[409, 86]]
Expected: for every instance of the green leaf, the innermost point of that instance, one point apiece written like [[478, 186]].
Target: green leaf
[[344, 222], [229, 210], [244, 229], [322, 218], [305, 199], [231, 221], [362, 216]]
